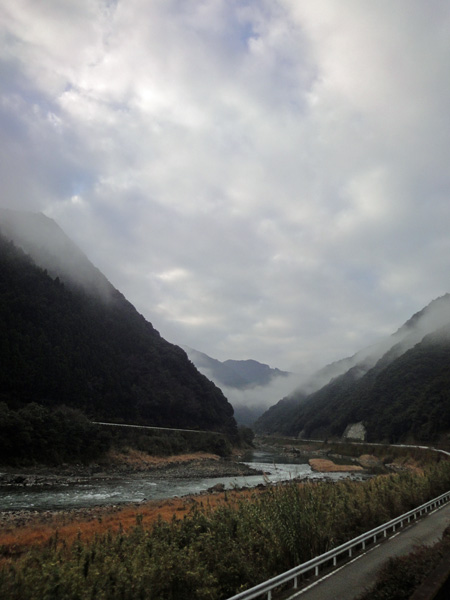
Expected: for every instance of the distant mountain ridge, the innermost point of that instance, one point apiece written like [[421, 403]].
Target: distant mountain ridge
[[254, 372], [67, 336], [399, 389], [240, 374], [246, 383]]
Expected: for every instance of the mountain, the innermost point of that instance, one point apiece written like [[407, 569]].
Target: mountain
[[240, 374], [52, 250], [248, 384], [254, 372], [398, 389], [217, 371], [68, 337]]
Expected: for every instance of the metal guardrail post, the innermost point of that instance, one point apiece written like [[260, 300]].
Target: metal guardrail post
[[268, 586]]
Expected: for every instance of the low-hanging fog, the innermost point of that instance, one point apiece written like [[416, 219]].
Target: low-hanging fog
[[264, 179], [251, 402]]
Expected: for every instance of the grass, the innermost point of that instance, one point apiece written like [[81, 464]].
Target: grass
[[401, 576], [210, 548], [15, 540]]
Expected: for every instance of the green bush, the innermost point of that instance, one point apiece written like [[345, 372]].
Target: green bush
[[211, 555], [36, 434]]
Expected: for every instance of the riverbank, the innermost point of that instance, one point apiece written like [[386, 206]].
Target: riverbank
[[20, 530], [325, 465], [253, 536], [117, 464]]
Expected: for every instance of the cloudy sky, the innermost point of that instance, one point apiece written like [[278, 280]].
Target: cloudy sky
[[262, 179]]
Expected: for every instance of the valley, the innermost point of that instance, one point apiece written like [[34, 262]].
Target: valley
[[181, 508]]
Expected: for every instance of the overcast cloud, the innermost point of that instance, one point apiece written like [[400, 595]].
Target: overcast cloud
[[262, 179]]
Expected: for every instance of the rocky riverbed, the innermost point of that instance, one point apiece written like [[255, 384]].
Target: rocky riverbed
[[130, 467], [134, 465], [192, 466]]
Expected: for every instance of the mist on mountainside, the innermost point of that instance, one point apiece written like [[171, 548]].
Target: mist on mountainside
[[251, 403], [62, 344], [250, 386], [434, 316], [54, 251], [396, 388]]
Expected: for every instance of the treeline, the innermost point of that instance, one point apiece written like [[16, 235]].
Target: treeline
[[36, 434], [161, 443], [60, 344], [211, 555]]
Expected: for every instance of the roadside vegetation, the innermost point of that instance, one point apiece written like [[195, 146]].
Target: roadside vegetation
[[211, 554], [401, 576]]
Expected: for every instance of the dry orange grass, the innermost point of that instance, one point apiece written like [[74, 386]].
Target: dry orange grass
[[142, 460], [369, 461], [324, 465], [14, 540]]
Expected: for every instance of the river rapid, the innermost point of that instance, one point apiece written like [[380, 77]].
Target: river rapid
[[139, 487]]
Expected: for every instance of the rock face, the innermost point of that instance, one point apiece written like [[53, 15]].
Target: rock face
[[355, 431]]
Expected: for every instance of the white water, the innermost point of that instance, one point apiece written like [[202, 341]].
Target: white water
[[137, 488]]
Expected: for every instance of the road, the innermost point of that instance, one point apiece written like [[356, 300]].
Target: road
[[353, 578]]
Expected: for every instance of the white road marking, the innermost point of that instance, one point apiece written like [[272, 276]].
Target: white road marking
[[391, 537], [311, 585]]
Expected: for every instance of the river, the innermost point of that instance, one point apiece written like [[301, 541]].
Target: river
[[97, 491]]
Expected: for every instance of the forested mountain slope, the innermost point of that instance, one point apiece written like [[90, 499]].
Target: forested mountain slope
[[402, 394], [214, 369], [51, 249], [65, 343]]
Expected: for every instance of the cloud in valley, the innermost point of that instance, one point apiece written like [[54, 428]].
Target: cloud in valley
[[262, 180]]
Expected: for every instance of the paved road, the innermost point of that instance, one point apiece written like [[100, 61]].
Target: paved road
[[350, 580]]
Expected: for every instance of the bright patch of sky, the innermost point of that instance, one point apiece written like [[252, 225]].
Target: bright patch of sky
[[262, 179]]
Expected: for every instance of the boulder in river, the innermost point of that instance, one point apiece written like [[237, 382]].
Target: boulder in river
[[219, 487]]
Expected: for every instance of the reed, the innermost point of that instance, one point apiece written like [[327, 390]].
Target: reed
[[213, 552]]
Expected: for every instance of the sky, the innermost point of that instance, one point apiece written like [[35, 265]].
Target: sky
[[262, 179]]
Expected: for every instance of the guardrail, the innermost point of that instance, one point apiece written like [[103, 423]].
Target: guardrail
[[347, 548], [156, 428], [331, 557], [351, 442]]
